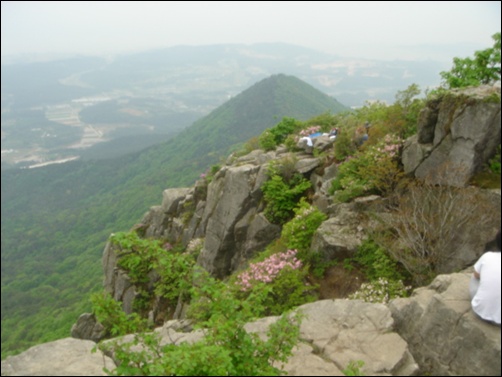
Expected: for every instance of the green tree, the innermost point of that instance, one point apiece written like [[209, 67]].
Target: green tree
[[484, 68], [405, 97]]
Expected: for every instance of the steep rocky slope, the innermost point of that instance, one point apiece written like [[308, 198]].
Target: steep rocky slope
[[433, 332]]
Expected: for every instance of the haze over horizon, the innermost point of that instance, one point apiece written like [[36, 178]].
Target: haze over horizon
[[381, 30]]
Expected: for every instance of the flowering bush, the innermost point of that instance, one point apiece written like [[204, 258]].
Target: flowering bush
[[268, 270], [167, 246], [374, 171], [390, 146], [381, 291], [310, 131], [279, 280], [195, 246], [227, 348]]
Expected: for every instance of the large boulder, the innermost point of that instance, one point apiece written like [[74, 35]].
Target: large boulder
[[165, 221], [335, 333], [88, 328], [457, 134], [233, 202], [340, 236], [64, 357], [445, 337]]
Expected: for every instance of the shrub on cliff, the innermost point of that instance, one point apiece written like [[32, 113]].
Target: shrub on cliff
[[375, 170], [226, 349], [426, 226], [281, 281], [275, 136], [282, 192]]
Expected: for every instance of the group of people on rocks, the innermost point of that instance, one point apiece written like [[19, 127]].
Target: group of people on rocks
[[360, 137]]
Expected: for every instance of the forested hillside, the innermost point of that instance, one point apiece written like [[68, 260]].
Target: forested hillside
[[55, 220]]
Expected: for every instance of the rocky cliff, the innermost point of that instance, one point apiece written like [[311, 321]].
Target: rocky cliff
[[457, 133], [443, 333], [226, 213], [432, 332]]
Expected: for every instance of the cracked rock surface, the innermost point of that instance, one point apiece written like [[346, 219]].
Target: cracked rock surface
[[456, 135], [444, 335]]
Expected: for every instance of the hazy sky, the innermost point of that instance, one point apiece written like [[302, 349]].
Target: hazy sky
[[377, 29]]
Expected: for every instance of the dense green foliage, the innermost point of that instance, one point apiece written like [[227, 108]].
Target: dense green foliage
[[280, 279], [221, 308], [495, 162], [110, 314], [140, 256], [297, 234], [227, 349], [56, 219], [484, 68], [354, 368], [376, 262], [375, 170], [384, 274], [275, 136], [282, 192]]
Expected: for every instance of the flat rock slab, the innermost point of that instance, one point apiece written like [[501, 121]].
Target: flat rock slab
[[64, 357]]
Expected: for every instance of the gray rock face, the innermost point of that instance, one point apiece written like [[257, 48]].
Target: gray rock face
[[456, 136], [233, 202], [88, 328], [64, 357], [340, 236], [344, 331], [305, 362], [307, 165], [323, 143], [444, 335], [116, 281], [165, 221]]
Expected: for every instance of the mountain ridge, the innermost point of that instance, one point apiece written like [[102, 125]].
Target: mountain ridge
[[56, 219]]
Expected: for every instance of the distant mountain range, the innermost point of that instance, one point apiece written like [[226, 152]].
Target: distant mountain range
[[217, 69], [55, 219], [148, 97]]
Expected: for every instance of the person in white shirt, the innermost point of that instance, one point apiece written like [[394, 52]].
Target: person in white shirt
[[485, 286]]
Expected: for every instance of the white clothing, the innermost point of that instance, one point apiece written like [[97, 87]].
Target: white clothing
[[308, 140], [486, 301]]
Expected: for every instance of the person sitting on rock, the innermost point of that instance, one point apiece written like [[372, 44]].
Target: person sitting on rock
[[485, 286], [333, 134], [361, 136], [306, 144]]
